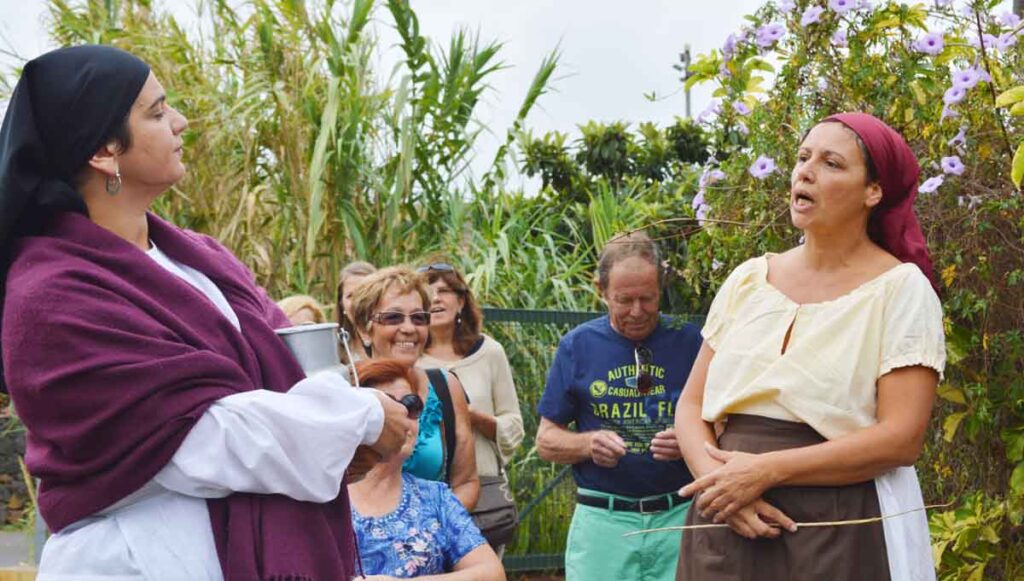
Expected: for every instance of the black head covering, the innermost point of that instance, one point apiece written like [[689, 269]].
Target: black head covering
[[65, 105]]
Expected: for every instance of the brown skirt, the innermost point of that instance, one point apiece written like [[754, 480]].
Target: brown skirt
[[844, 553]]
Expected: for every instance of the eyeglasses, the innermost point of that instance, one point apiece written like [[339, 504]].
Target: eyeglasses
[[412, 402], [437, 267], [395, 318], [644, 379]]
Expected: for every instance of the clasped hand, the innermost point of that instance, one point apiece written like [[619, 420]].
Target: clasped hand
[[732, 493]]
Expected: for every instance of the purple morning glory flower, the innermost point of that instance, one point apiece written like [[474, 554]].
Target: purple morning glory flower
[[865, 5], [1006, 41], [711, 176], [983, 75], [949, 111], [954, 95], [698, 200], [762, 167], [943, 3], [742, 128], [713, 108], [1009, 19], [931, 184], [839, 38], [769, 34], [931, 43], [741, 108], [965, 78], [953, 165], [988, 40], [702, 213], [787, 5], [811, 15], [729, 48], [724, 72], [841, 6], [960, 139]]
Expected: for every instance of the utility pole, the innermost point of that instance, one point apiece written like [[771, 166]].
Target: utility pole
[[684, 68]]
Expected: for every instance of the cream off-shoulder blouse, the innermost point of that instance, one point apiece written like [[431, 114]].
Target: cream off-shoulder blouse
[[837, 349]]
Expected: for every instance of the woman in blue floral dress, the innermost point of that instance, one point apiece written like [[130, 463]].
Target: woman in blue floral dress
[[408, 527]]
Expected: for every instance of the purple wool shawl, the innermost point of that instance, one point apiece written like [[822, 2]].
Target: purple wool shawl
[[111, 360]]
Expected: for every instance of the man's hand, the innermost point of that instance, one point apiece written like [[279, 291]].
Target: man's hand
[[606, 447], [665, 447], [397, 426], [363, 461]]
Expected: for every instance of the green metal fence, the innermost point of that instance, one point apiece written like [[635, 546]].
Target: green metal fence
[[545, 492]]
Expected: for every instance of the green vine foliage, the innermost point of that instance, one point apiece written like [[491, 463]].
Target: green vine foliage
[[881, 59]]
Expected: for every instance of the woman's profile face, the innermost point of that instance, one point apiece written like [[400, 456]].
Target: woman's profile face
[[404, 341], [154, 159], [347, 290], [829, 185]]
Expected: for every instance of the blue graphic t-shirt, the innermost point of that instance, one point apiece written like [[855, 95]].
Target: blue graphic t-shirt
[[592, 381]]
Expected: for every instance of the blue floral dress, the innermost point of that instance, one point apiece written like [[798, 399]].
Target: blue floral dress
[[427, 534]]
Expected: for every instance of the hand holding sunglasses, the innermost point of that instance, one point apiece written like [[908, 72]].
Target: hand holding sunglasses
[[412, 402]]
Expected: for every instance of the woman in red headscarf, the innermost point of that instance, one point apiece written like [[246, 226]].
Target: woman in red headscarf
[[812, 392]]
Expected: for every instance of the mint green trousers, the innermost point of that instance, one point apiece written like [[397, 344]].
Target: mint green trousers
[[597, 551]]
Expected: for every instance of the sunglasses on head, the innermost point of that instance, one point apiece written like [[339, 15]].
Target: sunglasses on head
[[412, 402], [436, 267], [644, 379], [395, 318]]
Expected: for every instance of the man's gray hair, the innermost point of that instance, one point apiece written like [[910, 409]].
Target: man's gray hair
[[623, 246]]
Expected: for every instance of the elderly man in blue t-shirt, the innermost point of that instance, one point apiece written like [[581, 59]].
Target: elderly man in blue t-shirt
[[618, 378]]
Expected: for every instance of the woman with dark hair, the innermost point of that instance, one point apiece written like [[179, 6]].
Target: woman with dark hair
[[458, 345], [348, 282], [411, 527], [818, 374], [173, 433]]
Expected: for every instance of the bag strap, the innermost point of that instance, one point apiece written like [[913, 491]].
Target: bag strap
[[440, 383]]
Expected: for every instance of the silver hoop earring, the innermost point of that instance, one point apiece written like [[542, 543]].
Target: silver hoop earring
[[114, 183]]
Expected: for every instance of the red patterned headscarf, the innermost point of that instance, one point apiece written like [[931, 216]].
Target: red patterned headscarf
[[893, 224]]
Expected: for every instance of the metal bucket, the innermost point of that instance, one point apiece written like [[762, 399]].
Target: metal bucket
[[314, 346]]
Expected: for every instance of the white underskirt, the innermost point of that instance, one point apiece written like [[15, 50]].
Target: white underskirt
[[907, 541]]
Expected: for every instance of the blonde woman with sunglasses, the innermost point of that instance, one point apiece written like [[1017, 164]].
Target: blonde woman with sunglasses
[[391, 312]]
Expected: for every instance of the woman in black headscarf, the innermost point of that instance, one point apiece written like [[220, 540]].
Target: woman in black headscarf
[[173, 434]]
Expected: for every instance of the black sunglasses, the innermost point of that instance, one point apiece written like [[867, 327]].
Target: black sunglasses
[[394, 318], [413, 404], [437, 267], [644, 379]]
